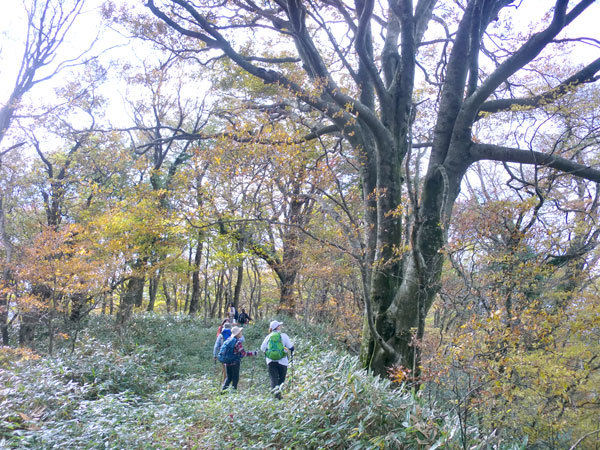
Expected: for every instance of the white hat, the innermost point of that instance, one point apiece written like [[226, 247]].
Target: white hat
[[274, 324], [236, 330]]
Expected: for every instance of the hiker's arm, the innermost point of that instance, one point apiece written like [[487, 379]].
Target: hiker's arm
[[263, 346], [218, 344], [285, 340], [239, 348]]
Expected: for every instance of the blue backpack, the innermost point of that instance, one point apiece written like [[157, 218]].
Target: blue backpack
[[226, 332], [226, 354]]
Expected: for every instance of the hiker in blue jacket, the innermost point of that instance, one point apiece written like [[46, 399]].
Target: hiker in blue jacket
[[222, 337], [275, 346], [221, 326], [231, 353]]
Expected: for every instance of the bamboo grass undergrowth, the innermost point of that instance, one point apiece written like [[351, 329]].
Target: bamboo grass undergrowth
[[157, 387]]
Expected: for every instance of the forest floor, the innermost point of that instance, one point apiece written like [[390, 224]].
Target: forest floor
[[156, 386]]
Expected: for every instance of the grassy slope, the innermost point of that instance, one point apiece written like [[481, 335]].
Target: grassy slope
[[158, 387]]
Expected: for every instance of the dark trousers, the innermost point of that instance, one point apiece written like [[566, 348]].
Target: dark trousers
[[277, 374], [233, 375]]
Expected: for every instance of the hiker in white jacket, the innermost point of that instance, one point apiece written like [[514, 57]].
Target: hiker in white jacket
[[275, 346]]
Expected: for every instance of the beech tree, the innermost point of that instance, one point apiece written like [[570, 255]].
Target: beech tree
[[63, 140], [358, 68], [157, 116], [47, 24], [511, 337], [275, 202]]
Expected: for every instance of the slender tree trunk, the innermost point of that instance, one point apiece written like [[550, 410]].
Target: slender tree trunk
[[209, 305], [6, 272], [152, 288], [253, 286], [175, 296], [167, 296], [195, 298], [205, 305], [258, 294], [228, 291], [238, 285], [219, 293], [4, 306], [188, 290], [153, 284]]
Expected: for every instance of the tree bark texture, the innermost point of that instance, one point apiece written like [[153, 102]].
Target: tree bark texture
[[134, 293]]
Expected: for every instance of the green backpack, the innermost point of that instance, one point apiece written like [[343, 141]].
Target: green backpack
[[275, 350]]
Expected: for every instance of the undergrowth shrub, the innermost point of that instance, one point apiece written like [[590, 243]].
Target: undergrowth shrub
[[156, 386], [33, 393], [333, 403]]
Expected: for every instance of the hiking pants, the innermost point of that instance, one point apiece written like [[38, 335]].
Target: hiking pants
[[277, 374], [233, 375]]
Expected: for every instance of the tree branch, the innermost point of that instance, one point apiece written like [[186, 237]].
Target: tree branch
[[526, 53], [491, 152], [585, 75]]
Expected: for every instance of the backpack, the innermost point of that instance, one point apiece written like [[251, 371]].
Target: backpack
[[243, 319], [275, 350], [226, 353], [226, 332]]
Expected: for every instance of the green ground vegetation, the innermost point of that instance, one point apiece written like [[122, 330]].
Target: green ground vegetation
[[156, 386]]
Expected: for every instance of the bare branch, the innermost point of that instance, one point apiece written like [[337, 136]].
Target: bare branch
[[585, 75], [527, 52], [491, 152]]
